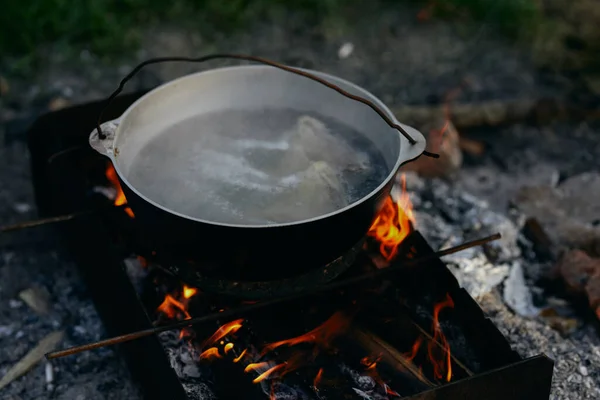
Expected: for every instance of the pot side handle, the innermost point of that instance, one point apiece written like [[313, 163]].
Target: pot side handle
[[411, 151], [105, 146]]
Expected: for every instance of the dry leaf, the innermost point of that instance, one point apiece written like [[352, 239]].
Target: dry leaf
[[37, 299], [34, 356]]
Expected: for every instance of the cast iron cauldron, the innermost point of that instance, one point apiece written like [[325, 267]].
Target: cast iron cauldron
[[249, 251]]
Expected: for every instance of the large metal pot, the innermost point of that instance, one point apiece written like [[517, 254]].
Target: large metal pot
[[253, 252]]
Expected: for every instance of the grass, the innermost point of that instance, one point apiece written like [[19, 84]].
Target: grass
[[110, 26]]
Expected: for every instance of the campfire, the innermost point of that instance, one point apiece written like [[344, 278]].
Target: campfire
[[338, 349], [387, 320]]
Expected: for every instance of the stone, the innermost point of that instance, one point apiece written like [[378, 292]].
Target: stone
[[581, 273], [531, 337], [568, 213], [37, 298], [517, 295], [345, 50], [499, 187]]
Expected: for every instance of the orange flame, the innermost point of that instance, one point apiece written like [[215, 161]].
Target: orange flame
[[440, 363], [238, 358], [277, 371], [388, 390], [415, 349], [393, 223], [173, 308], [318, 378], [228, 347], [255, 366], [321, 335], [210, 353], [177, 308], [226, 329], [120, 199], [437, 137], [188, 292], [268, 373]]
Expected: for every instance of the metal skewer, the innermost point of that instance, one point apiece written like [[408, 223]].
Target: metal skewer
[[53, 220], [236, 312]]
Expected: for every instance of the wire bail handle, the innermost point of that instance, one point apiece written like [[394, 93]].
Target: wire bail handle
[[259, 60]]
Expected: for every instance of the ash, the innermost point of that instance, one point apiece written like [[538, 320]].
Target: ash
[[98, 374], [364, 386], [447, 217], [184, 360]]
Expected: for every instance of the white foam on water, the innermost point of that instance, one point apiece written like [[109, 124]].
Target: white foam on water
[[250, 167]]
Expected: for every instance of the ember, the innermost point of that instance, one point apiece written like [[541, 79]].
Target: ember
[[440, 364]]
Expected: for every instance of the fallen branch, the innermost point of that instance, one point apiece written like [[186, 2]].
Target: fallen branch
[[32, 358], [496, 112]]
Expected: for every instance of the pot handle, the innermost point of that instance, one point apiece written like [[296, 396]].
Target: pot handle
[[101, 135], [104, 144]]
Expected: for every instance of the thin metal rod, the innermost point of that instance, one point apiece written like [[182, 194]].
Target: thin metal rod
[[44, 221], [236, 312], [53, 220]]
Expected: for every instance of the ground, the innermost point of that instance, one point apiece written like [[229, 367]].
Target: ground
[[398, 58]]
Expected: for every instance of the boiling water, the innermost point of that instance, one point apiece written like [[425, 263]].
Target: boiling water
[[257, 167]]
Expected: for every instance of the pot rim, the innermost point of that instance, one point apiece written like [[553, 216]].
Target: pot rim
[[406, 153]]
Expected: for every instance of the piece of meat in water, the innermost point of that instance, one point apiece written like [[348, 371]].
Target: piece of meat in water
[[316, 141], [317, 191]]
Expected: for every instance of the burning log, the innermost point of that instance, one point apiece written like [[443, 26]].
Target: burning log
[[388, 354], [432, 351]]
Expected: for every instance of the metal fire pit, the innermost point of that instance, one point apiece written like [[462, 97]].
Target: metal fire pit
[[64, 169]]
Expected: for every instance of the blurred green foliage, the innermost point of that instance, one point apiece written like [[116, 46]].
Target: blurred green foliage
[[107, 26]]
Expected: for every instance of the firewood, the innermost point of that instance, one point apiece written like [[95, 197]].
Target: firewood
[[389, 354]]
